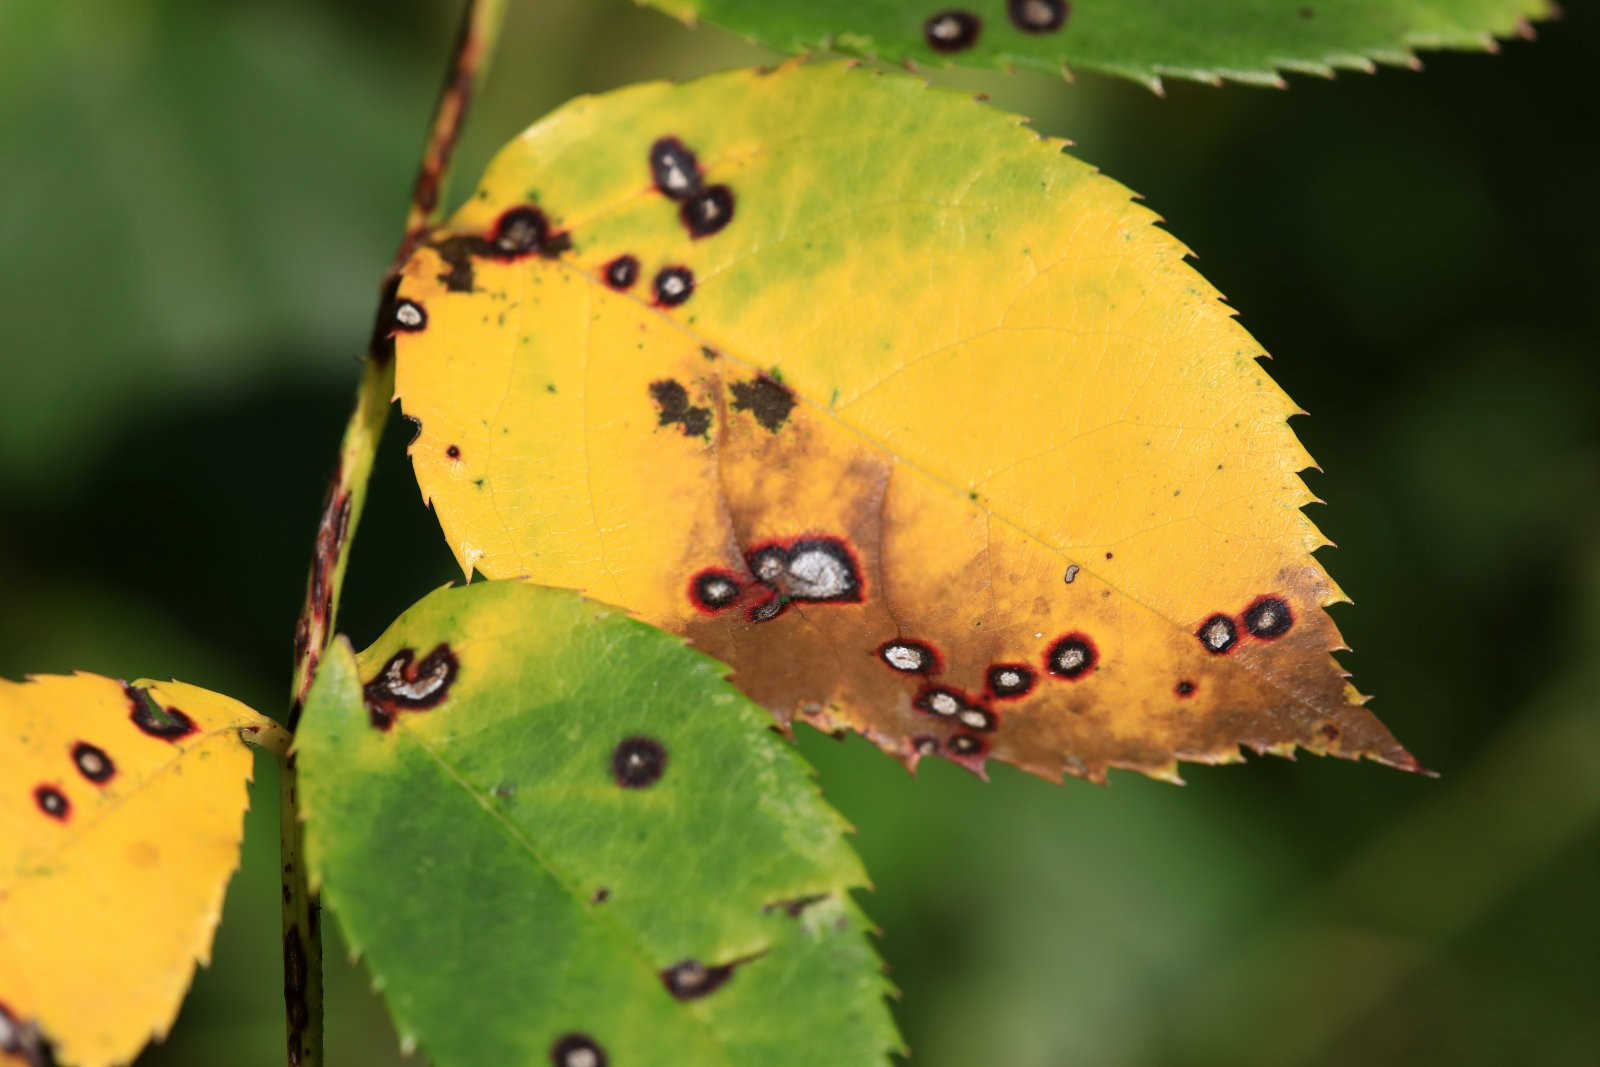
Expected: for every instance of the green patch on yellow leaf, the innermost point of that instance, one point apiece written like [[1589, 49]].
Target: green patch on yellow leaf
[[919, 423], [121, 819], [1146, 40], [559, 836]]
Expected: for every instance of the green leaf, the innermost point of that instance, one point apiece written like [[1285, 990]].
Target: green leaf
[[463, 784], [1205, 40]]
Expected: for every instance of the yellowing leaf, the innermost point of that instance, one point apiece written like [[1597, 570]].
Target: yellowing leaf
[[120, 821], [920, 424]]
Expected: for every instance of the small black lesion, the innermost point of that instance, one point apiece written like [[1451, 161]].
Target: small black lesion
[[673, 285], [766, 398], [22, 1037], [1038, 16], [674, 168], [690, 979], [794, 907], [638, 761], [52, 801], [93, 763], [673, 408], [1184, 688], [577, 1050], [1268, 617], [521, 231], [707, 211], [622, 272], [169, 724], [952, 31]]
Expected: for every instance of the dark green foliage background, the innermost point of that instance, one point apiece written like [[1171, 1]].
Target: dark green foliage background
[[198, 201]]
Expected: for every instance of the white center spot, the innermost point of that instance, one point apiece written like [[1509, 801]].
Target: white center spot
[[943, 704], [581, 1057], [1008, 679], [408, 314], [1217, 635], [945, 28], [1266, 619], [675, 178], [91, 763], [1070, 659], [672, 285], [421, 689], [816, 574], [719, 590], [903, 657], [975, 718]]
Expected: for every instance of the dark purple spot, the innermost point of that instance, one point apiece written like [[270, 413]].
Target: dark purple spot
[[409, 316], [92, 762], [1008, 681], [1037, 16], [714, 589], [1268, 617], [638, 762], [911, 657], [952, 31], [1184, 688], [453, 452], [169, 724], [404, 686], [674, 168], [577, 1050], [672, 402], [622, 272], [769, 400], [52, 801], [1218, 634], [1071, 657], [690, 979], [966, 745], [707, 211], [673, 285]]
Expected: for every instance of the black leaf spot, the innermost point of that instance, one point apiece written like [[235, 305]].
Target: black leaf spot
[[409, 316], [769, 400], [1071, 656], [622, 272], [92, 762], [1010, 680], [674, 168], [952, 31], [673, 286], [1218, 634], [52, 801], [714, 589], [638, 762], [707, 211], [169, 724], [911, 657], [577, 1050], [1037, 16], [690, 979], [672, 402], [1268, 617]]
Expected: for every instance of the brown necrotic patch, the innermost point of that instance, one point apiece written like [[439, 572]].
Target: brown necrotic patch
[[1009, 681], [707, 211], [673, 285], [52, 801], [404, 685], [1038, 16], [673, 408], [92, 762], [148, 715], [691, 979], [1268, 617], [765, 398], [638, 761], [714, 590], [1218, 634], [577, 1050], [910, 657], [622, 272], [952, 31], [674, 168], [1071, 656]]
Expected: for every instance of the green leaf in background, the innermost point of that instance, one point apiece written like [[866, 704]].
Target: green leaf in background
[[1206, 40], [550, 828]]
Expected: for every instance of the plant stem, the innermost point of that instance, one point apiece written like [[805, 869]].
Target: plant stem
[[341, 513]]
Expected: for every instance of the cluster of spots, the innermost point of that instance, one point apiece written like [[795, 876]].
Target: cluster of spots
[[957, 31], [1266, 618], [519, 232], [673, 409], [1071, 656], [767, 399], [406, 686], [691, 979], [169, 724], [809, 570], [704, 209], [577, 1050], [638, 762], [953, 705], [910, 657]]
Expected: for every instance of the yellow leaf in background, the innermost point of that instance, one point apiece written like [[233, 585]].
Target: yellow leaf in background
[[921, 425], [120, 824]]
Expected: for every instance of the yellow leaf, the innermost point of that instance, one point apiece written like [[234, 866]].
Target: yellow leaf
[[120, 822], [920, 424]]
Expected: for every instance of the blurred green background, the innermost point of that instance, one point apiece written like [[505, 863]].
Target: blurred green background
[[199, 199]]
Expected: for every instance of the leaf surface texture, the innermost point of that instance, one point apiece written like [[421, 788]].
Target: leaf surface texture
[[559, 836], [121, 821], [1146, 40], [933, 435]]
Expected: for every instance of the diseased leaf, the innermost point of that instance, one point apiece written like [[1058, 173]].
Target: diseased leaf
[[1146, 40], [918, 423], [559, 836], [121, 821]]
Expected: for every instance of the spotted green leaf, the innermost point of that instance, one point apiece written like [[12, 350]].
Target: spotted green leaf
[[1205, 40], [559, 836]]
